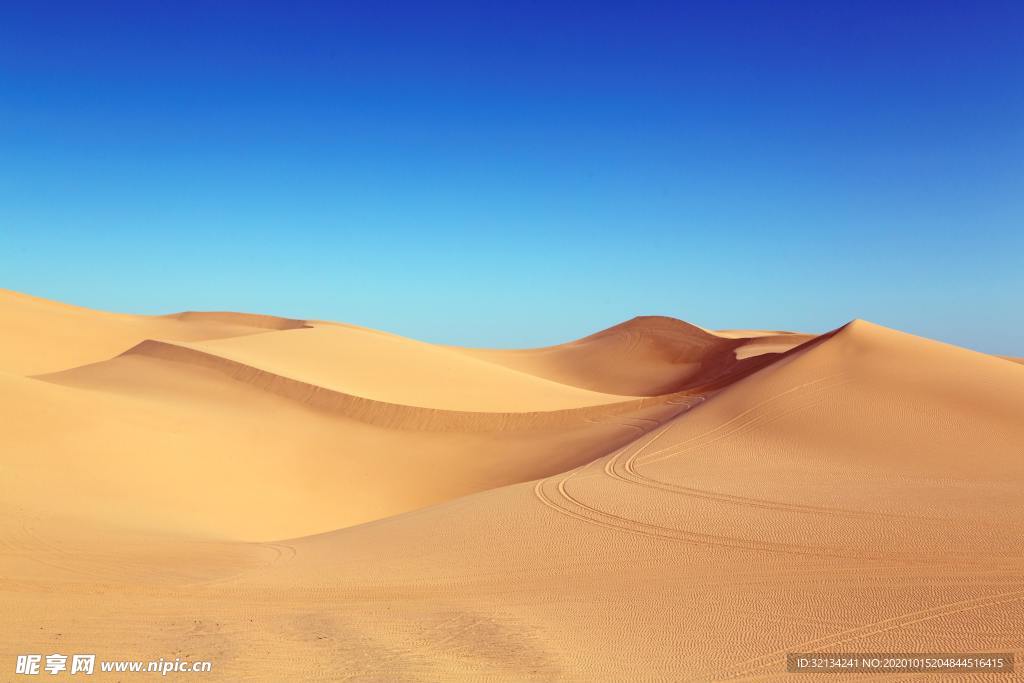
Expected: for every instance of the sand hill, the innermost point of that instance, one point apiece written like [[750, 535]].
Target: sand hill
[[300, 500]]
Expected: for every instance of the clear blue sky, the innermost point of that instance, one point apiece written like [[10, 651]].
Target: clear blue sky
[[521, 173]]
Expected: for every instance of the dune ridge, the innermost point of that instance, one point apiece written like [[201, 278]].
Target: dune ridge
[[382, 413], [268, 322], [395, 369], [399, 416], [644, 356]]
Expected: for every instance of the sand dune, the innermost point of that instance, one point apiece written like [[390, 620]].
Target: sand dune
[[193, 450], [650, 502], [644, 356], [362, 425], [256, 320], [46, 336], [388, 368], [526, 401]]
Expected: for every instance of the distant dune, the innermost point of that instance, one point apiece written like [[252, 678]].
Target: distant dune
[[298, 500], [45, 336], [644, 356]]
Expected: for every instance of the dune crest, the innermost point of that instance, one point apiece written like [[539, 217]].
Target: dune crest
[[323, 398], [645, 356]]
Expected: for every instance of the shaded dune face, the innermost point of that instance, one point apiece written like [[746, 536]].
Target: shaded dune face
[[645, 356], [753, 455], [654, 501]]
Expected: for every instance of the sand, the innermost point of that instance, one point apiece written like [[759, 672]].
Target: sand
[[304, 500]]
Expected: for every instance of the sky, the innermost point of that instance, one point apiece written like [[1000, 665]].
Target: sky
[[521, 173]]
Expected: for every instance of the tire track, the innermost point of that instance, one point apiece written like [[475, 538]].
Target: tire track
[[622, 467], [743, 418], [592, 515], [625, 469]]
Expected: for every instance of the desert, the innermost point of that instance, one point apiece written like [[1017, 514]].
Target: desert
[[560, 342], [310, 500]]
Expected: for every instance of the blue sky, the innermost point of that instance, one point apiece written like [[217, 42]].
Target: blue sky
[[515, 174]]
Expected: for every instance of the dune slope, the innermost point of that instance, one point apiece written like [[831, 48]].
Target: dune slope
[[283, 428], [863, 494], [155, 443]]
